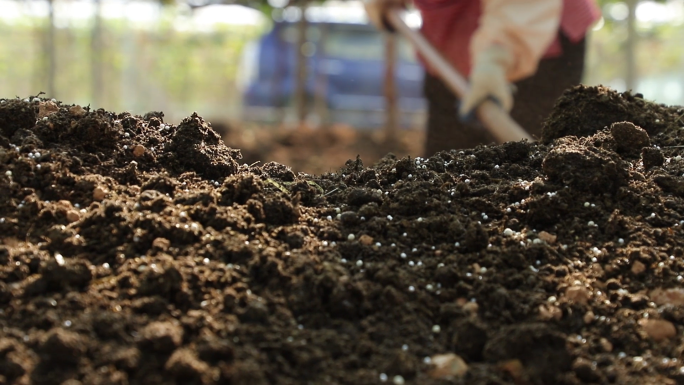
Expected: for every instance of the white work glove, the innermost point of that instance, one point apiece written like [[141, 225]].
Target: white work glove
[[488, 80], [377, 10]]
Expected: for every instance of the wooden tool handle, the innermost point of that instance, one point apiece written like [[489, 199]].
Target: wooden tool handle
[[496, 120]]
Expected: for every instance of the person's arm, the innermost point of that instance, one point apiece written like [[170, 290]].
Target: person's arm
[[525, 28], [507, 46]]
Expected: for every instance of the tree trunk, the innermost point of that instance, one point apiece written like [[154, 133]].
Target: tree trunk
[[129, 93], [50, 50], [320, 97], [96, 57], [630, 46], [390, 89], [300, 86]]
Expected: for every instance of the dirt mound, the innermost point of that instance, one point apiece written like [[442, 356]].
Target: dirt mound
[[319, 150], [139, 252], [584, 110]]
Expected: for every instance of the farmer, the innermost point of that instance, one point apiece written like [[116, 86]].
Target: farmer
[[538, 45]]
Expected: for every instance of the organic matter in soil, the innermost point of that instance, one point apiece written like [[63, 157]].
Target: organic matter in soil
[[138, 252]]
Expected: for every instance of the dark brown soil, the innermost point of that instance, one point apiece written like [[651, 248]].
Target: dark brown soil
[[318, 150], [136, 252]]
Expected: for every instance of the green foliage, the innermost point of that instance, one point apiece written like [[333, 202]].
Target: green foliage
[[157, 68], [658, 53]]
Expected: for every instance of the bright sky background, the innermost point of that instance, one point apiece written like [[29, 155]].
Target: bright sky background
[[140, 13], [147, 14], [75, 12]]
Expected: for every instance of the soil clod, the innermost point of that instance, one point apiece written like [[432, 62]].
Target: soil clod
[[134, 251]]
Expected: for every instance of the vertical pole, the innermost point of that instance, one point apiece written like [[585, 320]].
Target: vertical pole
[[630, 46], [128, 94], [300, 88], [50, 49], [390, 89], [321, 100], [96, 57]]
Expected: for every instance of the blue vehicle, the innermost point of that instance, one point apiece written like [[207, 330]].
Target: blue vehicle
[[345, 77]]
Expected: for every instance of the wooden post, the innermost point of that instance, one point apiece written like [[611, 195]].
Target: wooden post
[[96, 57], [630, 46], [390, 89], [300, 87], [50, 50], [320, 96]]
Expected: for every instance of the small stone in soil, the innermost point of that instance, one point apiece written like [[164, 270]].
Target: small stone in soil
[[447, 366], [638, 268], [658, 330], [138, 150], [99, 193], [577, 294], [73, 216]]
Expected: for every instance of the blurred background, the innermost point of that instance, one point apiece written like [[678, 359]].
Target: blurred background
[[307, 84]]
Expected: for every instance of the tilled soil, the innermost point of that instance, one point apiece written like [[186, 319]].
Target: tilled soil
[[318, 150], [136, 252]]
